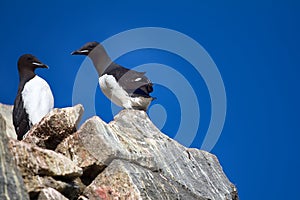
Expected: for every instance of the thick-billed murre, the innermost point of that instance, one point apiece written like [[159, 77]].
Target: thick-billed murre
[[126, 88], [34, 98]]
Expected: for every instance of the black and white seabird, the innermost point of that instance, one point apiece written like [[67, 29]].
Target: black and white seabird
[[34, 98], [126, 88]]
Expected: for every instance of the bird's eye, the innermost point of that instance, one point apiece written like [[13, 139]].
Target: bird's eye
[[29, 58]]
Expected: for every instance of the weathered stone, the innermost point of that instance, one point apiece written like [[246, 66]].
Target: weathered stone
[[6, 112], [129, 158], [211, 177], [33, 160], [72, 147], [55, 126], [34, 185], [124, 180], [11, 182], [197, 170], [91, 148], [51, 194], [132, 137]]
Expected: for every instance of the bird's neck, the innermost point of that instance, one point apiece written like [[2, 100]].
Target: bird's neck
[[100, 59], [26, 75]]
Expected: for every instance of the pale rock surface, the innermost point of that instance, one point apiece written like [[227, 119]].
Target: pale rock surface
[[128, 158], [133, 140], [122, 179], [33, 160], [54, 127], [43, 168], [69, 188], [11, 182], [50, 194], [6, 112]]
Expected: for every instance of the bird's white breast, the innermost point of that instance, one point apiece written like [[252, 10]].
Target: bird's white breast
[[112, 90], [37, 98]]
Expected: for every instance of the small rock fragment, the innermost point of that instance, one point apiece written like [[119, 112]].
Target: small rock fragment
[[33, 160], [54, 127], [50, 194]]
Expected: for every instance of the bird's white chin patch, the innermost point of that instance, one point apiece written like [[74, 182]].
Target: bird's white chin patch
[[83, 51], [37, 64]]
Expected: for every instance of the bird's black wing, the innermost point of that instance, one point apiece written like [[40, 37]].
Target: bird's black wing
[[133, 82], [20, 118]]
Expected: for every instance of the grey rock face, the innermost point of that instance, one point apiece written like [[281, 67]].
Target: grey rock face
[[11, 182], [89, 149], [128, 158], [122, 179], [138, 145], [6, 112], [55, 126], [196, 170]]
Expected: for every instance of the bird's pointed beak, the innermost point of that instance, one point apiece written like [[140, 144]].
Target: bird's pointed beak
[[75, 53], [40, 65]]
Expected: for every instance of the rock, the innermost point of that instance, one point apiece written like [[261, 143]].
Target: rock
[[43, 168], [6, 112], [129, 158], [11, 182], [51, 194], [125, 180], [133, 139], [89, 149], [34, 185], [211, 176], [196, 170], [33, 160], [55, 126]]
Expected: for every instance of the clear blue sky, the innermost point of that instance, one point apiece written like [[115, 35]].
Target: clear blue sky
[[255, 46]]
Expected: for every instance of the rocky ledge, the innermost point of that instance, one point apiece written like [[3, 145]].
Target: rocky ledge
[[128, 158]]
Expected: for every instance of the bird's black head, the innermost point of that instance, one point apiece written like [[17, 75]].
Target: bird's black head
[[86, 49], [28, 62]]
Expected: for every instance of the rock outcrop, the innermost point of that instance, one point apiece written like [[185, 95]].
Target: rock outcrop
[[11, 182], [128, 158], [6, 112], [54, 127], [33, 160]]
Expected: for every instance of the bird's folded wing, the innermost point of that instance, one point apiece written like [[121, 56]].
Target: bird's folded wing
[[20, 117], [133, 82]]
